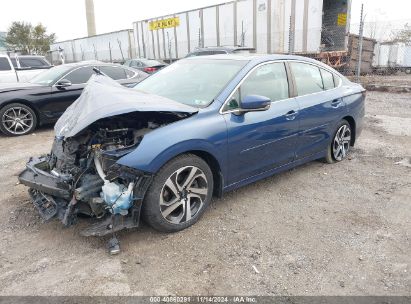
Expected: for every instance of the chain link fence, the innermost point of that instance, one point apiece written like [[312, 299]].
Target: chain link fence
[[386, 53]]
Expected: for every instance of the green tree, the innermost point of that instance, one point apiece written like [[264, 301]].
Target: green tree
[[27, 39]]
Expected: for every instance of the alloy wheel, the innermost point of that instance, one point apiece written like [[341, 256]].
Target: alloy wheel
[[183, 194], [17, 120], [341, 142]]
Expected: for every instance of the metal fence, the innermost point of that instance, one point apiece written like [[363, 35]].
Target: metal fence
[[385, 46], [369, 47], [110, 47]]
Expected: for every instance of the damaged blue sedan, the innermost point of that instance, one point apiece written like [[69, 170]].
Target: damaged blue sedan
[[197, 128]]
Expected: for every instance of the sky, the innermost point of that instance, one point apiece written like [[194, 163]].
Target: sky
[[67, 18]]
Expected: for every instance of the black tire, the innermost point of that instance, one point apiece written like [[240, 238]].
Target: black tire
[[408, 71], [330, 157], [27, 119], [153, 211]]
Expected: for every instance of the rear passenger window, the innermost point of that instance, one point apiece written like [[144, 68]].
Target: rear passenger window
[[328, 79], [307, 78], [4, 64], [115, 73]]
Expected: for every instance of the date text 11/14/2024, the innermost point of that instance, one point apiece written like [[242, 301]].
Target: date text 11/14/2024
[[203, 299]]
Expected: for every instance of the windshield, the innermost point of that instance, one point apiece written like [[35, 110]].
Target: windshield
[[48, 77], [192, 82]]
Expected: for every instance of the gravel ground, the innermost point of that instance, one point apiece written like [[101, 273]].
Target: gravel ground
[[319, 229], [399, 79]]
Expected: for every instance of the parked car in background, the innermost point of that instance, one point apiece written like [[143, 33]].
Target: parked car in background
[[220, 50], [21, 68], [25, 105], [146, 65], [198, 128]]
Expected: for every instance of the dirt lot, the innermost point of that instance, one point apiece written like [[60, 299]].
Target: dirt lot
[[398, 79], [320, 229]]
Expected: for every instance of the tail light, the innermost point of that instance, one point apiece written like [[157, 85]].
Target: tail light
[[149, 69]]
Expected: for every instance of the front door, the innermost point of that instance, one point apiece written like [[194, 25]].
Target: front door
[[262, 140], [62, 97]]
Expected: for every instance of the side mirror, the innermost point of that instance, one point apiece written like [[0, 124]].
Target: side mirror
[[63, 83], [252, 103]]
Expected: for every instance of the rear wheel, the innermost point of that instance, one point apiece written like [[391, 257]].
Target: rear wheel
[[179, 194], [17, 119], [340, 143]]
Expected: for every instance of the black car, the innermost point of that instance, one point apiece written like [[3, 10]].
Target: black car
[[146, 65], [24, 106], [219, 50]]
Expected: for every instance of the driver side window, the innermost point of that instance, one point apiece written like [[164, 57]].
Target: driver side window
[[269, 80], [80, 75]]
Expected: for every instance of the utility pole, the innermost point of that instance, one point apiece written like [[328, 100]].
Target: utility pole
[[91, 22], [360, 37]]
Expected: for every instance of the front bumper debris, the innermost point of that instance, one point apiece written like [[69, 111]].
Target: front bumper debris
[[55, 197], [36, 178]]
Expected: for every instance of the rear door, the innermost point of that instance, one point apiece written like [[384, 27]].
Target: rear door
[[263, 140], [321, 106]]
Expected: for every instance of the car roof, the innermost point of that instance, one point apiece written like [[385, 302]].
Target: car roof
[[142, 58], [90, 62], [21, 56], [223, 48], [256, 58], [29, 56]]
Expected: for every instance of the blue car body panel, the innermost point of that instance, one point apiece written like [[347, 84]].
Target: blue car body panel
[[204, 131], [255, 145], [259, 141]]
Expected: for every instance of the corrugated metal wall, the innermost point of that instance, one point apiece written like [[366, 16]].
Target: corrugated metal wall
[[106, 47], [262, 24]]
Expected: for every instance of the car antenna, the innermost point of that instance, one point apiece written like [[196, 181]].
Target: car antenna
[[97, 71]]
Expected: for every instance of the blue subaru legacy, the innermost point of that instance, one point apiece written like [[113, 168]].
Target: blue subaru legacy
[[197, 128]]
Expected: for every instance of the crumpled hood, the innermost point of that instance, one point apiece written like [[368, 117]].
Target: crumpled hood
[[104, 97]]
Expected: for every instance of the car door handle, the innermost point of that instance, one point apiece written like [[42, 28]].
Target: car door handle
[[336, 102], [290, 115]]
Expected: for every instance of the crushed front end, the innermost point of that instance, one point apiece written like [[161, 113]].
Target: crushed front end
[[81, 176]]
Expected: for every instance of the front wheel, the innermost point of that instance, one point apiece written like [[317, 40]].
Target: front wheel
[[340, 143], [179, 194], [17, 119]]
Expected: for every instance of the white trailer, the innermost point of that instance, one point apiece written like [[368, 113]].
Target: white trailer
[[269, 26], [110, 47], [392, 57]]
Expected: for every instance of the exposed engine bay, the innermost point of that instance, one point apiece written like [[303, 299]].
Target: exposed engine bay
[[81, 177]]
